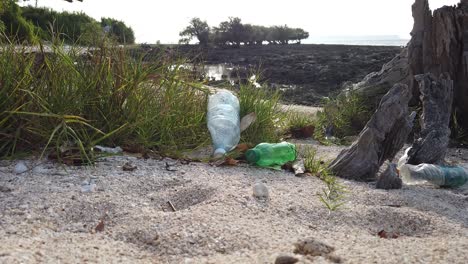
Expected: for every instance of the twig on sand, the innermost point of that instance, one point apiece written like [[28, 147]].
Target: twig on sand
[[172, 206]]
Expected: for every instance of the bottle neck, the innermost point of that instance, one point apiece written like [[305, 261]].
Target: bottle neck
[[252, 155]]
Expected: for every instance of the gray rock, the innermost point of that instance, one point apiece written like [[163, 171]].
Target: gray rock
[[260, 191], [389, 178], [5, 189], [20, 167], [312, 247], [285, 259]]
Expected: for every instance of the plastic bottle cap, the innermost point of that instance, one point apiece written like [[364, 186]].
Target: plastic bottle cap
[[252, 156], [218, 153]]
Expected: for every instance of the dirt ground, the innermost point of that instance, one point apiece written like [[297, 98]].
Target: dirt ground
[[103, 214]]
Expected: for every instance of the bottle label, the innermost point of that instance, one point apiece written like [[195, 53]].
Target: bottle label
[[454, 176]]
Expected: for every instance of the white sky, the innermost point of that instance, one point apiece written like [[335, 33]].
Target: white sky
[[162, 20]]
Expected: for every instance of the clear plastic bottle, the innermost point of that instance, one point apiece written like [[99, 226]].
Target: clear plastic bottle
[[223, 121], [267, 154], [444, 176]]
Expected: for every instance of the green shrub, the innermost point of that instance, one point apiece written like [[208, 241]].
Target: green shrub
[[334, 194], [265, 104], [14, 23], [296, 120], [76, 99], [312, 163], [345, 115]]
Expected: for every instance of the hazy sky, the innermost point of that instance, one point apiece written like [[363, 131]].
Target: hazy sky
[[154, 20]]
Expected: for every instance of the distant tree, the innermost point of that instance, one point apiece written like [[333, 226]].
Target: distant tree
[[233, 33], [13, 23], [119, 30], [91, 34], [300, 34], [196, 28]]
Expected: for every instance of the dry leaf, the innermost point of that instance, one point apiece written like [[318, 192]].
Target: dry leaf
[[247, 121], [385, 234], [100, 226], [303, 132], [230, 162], [243, 147]]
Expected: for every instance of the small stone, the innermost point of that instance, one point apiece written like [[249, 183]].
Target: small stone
[[40, 170], [389, 178], [128, 166], [5, 189], [312, 247], [20, 167], [260, 191], [285, 259]]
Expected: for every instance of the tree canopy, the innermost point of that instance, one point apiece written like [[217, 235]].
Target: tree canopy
[[24, 23], [198, 29], [234, 33]]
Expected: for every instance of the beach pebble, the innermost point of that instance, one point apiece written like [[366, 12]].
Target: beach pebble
[[20, 167], [260, 191], [285, 259]]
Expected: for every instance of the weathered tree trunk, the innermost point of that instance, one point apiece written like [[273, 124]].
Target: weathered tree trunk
[[381, 138], [418, 47], [439, 45], [376, 84], [437, 98]]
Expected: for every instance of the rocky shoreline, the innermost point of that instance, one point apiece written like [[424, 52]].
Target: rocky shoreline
[[306, 73]]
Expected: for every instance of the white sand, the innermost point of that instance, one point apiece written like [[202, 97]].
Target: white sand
[[46, 218]]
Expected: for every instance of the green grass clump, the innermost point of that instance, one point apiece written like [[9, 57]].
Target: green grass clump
[[334, 194], [68, 97], [345, 115], [265, 104], [297, 120]]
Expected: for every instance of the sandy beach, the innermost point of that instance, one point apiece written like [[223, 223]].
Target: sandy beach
[[49, 214]]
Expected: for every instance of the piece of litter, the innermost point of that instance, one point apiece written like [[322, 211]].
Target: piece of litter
[[20, 167], [115, 150], [88, 186], [298, 167], [170, 167]]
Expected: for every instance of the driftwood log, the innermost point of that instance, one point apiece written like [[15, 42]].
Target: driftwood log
[[436, 97], [382, 137], [439, 45]]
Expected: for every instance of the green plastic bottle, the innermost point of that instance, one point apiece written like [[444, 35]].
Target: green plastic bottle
[[271, 155]]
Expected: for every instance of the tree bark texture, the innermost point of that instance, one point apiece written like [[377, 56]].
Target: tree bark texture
[[436, 97], [382, 137], [439, 45]]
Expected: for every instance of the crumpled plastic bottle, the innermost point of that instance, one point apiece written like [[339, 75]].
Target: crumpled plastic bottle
[[443, 176], [223, 121]]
